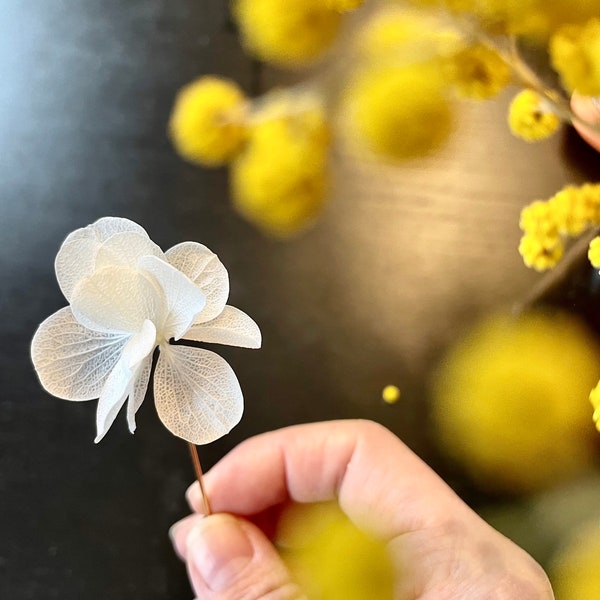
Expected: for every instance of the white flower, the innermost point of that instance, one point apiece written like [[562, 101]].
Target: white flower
[[126, 298]]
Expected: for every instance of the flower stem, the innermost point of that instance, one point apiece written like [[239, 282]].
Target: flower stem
[[198, 472]]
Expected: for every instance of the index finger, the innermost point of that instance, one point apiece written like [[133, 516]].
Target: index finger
[[378, 481]]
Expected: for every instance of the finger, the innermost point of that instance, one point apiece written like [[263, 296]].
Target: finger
[[380, 484], [228, 558], [587, 109]]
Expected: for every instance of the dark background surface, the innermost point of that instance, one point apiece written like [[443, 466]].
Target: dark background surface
[[401, 261]]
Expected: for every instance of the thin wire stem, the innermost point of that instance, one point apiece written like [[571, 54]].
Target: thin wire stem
[[198, 472]]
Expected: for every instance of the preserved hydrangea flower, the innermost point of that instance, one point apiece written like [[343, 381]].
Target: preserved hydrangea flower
[[127, 298]]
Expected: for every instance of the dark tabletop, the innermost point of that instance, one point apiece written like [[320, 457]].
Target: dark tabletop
[[401, 261]]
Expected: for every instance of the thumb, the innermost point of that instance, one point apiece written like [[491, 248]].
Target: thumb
[[229, 558]]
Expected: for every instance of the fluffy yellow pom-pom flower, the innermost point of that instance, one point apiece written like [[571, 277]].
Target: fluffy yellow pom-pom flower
[[531, 118], [575, 54], [541, 252], [279, 182], [568, 213], [398, 112], [574, 571], [571, 211], [333, 559], [510, 401], [538, 218], [286, 32], [478, 72], [207, 123]]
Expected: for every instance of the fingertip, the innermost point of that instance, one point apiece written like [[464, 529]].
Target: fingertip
[[193, 497], [179, 533], [588, 110]]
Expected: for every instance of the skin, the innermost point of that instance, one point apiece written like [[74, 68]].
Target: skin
[[441, 549], [587, 109]]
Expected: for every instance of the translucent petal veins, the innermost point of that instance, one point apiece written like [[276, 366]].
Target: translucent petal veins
[[197, 394], [72, 361], [232, 327], [205, 269]]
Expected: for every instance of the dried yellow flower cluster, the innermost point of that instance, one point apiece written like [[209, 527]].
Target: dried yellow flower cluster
[[277, 150], [531, 118], [279, 181], [546, 223], [394, 97]]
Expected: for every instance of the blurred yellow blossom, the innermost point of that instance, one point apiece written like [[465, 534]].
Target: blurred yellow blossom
[[594, 256], [575, 54], [398, 112], [280, 180], [510, 401], [531, 118], [207, 125], [478, 72], [331, 558], [574, 571], [390, 394], [398, 36], [343, 6], [499, 16], [286, 32], [595, 401]]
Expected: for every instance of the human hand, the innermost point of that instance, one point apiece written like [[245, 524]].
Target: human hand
[[440, 548], [588, 109]]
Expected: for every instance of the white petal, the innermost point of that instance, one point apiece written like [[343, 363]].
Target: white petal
[[197, 395], [122, 380], [142, 376], [108, 226], [76, 257], [184, 299], [232, 327], [126, 248], [118, 300], [115, 392], [75, 260], [72, 361], [205, 269]]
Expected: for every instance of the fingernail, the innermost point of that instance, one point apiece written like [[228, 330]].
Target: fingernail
[[219, 549], [180, 531]]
